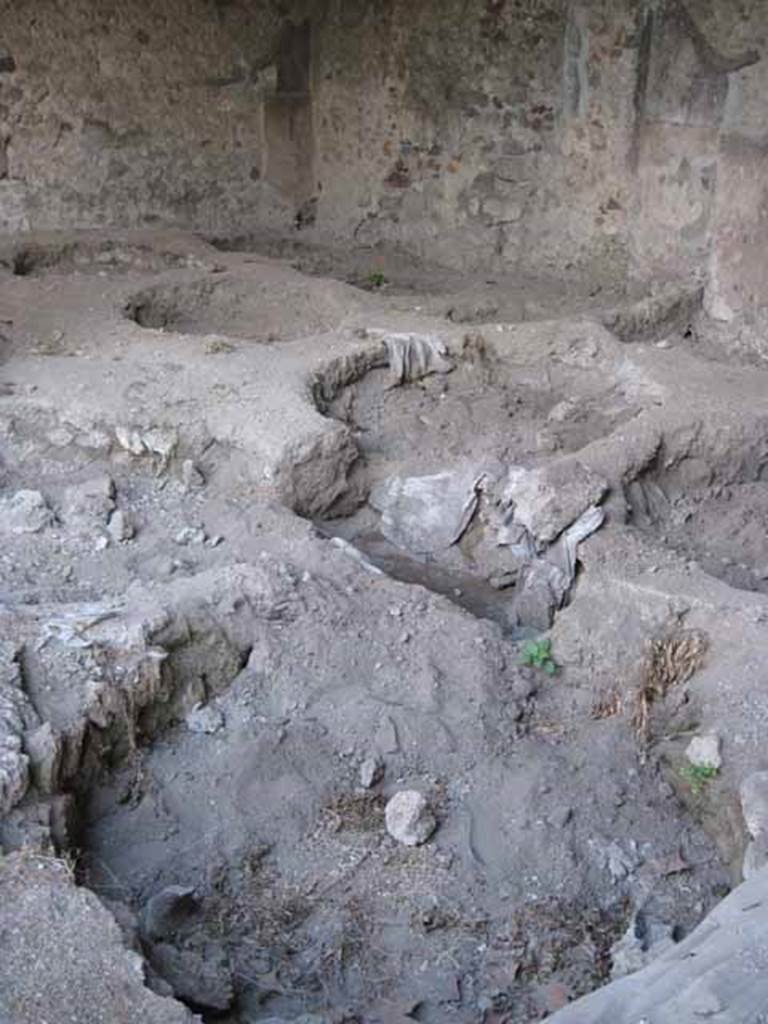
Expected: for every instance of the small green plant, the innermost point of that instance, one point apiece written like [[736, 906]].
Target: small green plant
[[377, 279], [698, 775], [538, 654]]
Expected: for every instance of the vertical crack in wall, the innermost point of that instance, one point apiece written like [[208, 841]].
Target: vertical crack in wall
[[575, 73], [646, 23]]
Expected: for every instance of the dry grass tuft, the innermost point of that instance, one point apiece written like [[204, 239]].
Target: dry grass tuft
[[671, 661], [609, 706]]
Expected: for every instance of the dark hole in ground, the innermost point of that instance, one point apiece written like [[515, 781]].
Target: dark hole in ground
[[84, 257], [264, 311], [714, 515]]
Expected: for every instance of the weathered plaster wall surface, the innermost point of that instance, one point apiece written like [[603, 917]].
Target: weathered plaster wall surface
[[131, 112], [606, 137], [485, 130]]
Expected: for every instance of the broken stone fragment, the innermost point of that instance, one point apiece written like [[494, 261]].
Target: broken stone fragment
[[621, 863], [205, 719], [24, 512], [90, 500], [704, 751], [409, 818], [44, 749], [191, 477], [429, 513], [160, 441], [190, 535], [547, 500], [120, 526], [130, 440], [371, 772]]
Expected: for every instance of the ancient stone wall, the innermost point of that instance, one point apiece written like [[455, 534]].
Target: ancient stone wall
[[480, 131], [130, 112], [599, 137]]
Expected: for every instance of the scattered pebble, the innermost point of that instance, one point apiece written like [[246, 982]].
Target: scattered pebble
[[120, 526], [203, 718], [409, 818], [190, 535]]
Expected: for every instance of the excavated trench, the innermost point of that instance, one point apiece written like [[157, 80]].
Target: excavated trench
[[81, 257], [402, 281], [477, 421], [712, 511], [212, 784], [264, 312]]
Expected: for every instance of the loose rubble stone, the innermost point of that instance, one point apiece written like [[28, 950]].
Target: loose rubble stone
[[409, 818], [190, 535], [704, 751], [621, 863], [24, 512], [549, 499], [90, 500], [160, 441], [205, 719], [191, 477], [130, 440], [120, 526], [371, 772], [44, 749]]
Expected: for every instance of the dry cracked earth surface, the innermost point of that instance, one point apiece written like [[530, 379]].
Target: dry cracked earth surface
[[280, 530]]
